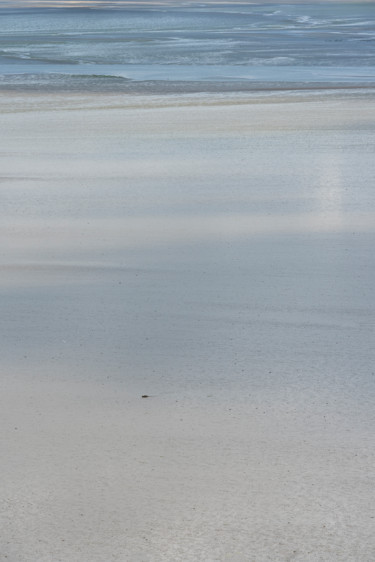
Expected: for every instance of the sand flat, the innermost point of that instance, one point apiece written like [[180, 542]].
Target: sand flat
[[218, 258]]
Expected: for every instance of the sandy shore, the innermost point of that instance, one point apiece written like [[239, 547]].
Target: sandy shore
[[216, 255]]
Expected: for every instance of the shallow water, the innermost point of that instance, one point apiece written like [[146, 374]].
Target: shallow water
[[242, 44]]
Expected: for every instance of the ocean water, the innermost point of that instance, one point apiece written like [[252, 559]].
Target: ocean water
[[191, 47]]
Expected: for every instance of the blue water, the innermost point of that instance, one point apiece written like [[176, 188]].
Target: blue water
[[213, 46]]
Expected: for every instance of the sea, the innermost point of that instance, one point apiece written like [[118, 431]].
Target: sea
[[186, 47]]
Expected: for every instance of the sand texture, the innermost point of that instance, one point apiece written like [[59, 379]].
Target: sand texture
[[216, 255]]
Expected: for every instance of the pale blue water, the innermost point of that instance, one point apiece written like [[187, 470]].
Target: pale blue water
[[214, 46]]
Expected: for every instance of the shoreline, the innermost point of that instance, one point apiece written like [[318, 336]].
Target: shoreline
[[196, 88], [23, 101]]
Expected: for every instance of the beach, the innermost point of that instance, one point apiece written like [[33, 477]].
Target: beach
[[187, 327]]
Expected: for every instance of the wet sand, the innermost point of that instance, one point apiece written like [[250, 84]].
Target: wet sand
[[214, 254]]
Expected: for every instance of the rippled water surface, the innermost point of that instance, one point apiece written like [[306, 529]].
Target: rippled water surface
[[218, 44]]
